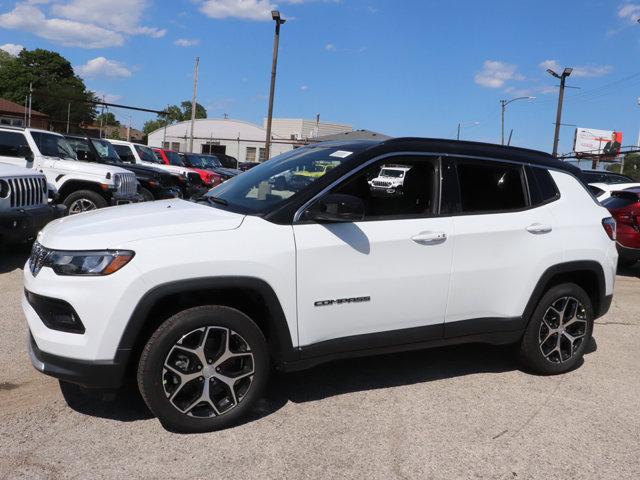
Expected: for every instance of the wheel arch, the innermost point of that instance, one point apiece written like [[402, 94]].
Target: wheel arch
[[252, 296], [71, 186], [587, 274]]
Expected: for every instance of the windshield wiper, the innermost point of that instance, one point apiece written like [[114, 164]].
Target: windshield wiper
[[218, 200]]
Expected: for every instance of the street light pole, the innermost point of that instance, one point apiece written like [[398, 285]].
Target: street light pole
[[504, 104], [562, 77], [275, 14]]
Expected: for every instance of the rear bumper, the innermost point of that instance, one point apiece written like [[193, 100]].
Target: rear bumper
[[627, 253], [89, 374], [23, 225]]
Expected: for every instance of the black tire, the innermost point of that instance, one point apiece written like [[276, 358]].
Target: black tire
[[86, 197], [154, 379], [565, 354], [147, 196]]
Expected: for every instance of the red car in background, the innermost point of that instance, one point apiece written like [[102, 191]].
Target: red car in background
[[171, 157], [624, 206]]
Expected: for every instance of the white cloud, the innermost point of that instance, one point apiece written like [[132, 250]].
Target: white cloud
[[330, 47], [103, 67], [12, 48], [495, 74], [258, 10], [66, 32], [585, 71], [108, 97], [304, 88], [630, 12], [81, 23], [122, 16], [185, 42]]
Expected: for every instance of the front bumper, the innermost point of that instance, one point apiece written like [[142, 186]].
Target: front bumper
[[165, 193], [90, 374], [23, 225], [119, 199]]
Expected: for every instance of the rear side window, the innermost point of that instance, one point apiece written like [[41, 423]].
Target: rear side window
[[490, 186], [541, 186], [10, 143], [125, 153]]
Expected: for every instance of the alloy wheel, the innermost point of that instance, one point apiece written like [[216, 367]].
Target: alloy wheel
[[563, 329], [82, 205], [208, 372]]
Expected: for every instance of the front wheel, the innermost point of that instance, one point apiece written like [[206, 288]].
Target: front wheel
[[84, 201], [147, 196], [559, 330], [203, 369]]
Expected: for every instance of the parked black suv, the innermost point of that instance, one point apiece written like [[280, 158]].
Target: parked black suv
[[155, 184], [601, 176]]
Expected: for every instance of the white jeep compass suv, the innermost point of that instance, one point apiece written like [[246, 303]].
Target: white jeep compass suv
[[197, 300]]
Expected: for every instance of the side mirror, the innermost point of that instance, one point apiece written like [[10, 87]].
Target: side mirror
[[25, 151], [336, 207]]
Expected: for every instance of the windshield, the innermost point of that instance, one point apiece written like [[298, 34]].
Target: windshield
[[53, 145], [212, 161], [197, 161], [264, 187], [105, 150], [146, 154], [386, 172], [174, 158]]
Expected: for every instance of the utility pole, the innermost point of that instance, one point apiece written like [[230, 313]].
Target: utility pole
[[68, 115], [30, 99], [275, 15], [562, 77], [101, 118], [194, 103], [166, 121], [129, 129], [317, 125]]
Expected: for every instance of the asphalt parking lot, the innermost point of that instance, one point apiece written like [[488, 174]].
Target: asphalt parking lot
[[460, 412]]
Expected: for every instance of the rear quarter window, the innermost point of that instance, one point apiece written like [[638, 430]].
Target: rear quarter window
[[542, 187]]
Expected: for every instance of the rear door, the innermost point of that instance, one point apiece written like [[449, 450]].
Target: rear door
[[388, 272], [504, 241]]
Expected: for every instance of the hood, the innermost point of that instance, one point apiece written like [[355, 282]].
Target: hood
[[7, 170], [141, 170], [90, 168], [112, 227], [232, 172]]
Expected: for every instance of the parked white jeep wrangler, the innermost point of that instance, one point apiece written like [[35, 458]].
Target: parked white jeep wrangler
[[490, 244], [80, 186], [390, 179], [24, 204]]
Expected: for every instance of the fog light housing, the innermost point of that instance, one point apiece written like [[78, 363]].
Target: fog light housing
[[56, 314]]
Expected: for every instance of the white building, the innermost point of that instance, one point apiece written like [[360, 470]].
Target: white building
[[242, 140], [301, 129]]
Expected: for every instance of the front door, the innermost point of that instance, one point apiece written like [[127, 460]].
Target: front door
[[388, 272]]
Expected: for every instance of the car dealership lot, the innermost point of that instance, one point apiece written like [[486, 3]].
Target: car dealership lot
[[456, 412]]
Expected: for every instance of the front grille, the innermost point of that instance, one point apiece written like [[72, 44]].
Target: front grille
[[27, 191], [128, 184], [37, 258], [378, 183]]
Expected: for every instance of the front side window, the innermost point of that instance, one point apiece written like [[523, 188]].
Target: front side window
[[11, 144], [405, 188], [146, 154], [490, 187], [269, 184], [53, 146]]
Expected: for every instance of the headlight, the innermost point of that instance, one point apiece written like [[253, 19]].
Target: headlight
[[117, 181], [103, 262], [4, 189]]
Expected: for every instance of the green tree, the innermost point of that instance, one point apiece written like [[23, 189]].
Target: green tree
[[55, 85], [175, 114], [108, 118], [631, 166]]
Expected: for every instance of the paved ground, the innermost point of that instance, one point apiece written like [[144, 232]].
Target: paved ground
[[464, 412]]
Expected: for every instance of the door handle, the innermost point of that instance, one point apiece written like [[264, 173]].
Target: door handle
[[429, 238], [538, 228]]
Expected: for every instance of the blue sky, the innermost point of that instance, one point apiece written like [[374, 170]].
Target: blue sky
[[399, 67]]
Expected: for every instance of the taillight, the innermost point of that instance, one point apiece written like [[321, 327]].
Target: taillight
[[609, 225]]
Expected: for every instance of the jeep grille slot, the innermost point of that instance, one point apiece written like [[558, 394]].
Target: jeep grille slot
[[128, 186], [27, 191]]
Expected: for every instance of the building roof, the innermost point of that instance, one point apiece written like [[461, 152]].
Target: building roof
[[7, 106], [353, 135]]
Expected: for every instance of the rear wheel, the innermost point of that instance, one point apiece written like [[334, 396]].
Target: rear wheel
[[559, 330], [203, 369], [84, 201]]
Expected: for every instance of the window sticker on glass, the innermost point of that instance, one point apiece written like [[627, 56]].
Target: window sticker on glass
[[340, 154]]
